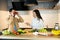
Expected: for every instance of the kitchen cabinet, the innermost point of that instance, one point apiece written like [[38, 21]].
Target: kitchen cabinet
[[3, 5]]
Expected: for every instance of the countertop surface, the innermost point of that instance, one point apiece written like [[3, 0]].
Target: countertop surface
[[30, 37]]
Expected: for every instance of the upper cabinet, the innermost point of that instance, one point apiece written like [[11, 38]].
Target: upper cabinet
[[3, 5]]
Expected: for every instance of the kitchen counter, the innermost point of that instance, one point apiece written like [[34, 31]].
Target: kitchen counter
[[30, 37]]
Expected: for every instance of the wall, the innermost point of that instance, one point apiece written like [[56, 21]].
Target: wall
[[58, 12], [50, 17], [3, 5], [59, 16], [3, 19]]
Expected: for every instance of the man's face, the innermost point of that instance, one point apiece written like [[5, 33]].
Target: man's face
[[12, 12]]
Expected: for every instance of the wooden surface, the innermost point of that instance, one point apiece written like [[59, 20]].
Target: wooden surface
[[29, 36]]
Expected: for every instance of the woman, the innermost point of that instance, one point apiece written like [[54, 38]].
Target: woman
[[37, 22], [14, 19]]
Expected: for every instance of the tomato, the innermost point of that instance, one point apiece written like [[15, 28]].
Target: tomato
[[17, 33], [14, 32], [50, 34], [15, 13]]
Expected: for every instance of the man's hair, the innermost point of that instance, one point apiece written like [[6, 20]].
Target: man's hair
[[11, 9]]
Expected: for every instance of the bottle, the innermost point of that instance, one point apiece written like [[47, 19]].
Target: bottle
[[56, 26]]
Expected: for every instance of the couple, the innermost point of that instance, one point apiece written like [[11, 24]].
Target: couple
[[14, 19]]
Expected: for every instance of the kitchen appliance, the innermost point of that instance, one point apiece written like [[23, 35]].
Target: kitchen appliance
[[30, 2], [57, 26], [19, 6], [45, 4]]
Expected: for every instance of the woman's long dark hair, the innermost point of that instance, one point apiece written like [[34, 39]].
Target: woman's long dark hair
[[37, 14]]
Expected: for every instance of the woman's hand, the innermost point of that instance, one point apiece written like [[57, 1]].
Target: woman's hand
[[27, 23]]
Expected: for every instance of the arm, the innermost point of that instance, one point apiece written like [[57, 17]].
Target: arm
[[19, 18], [10, 19]]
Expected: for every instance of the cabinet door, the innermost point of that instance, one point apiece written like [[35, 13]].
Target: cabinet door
[[3, 5]]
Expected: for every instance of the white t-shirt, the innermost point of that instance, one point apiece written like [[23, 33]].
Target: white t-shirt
[[37, 24]]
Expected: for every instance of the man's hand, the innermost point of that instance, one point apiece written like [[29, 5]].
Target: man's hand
[[17, 16]]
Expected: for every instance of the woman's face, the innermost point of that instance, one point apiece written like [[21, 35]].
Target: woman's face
[[34, 15]]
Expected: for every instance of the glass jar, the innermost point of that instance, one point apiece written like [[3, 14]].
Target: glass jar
[[56, 26]]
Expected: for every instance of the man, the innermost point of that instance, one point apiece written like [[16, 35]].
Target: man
[[14, 19]]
